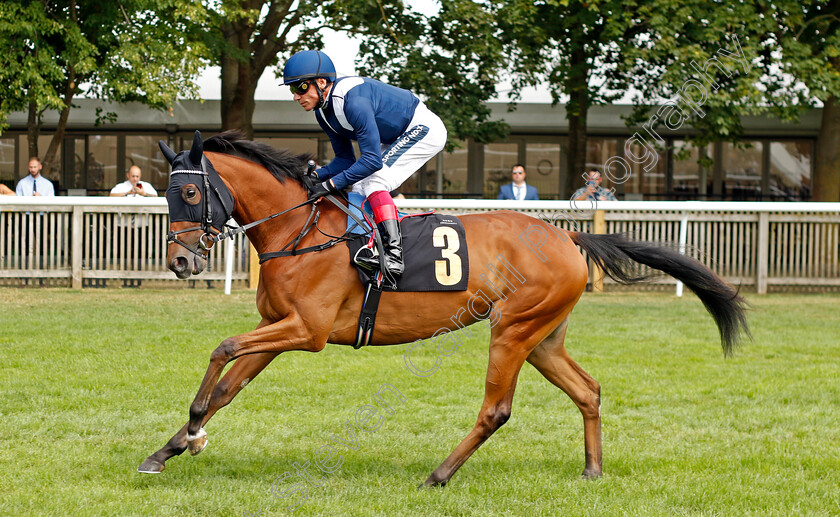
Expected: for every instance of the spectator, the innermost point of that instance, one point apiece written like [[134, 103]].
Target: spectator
[[35, 184], [593, 191], [518, 189], [132, 186], [6, 191]]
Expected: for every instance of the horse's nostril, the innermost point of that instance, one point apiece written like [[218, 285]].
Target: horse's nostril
[[180, 264]]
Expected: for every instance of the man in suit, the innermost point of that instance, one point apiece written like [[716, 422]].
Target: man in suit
[[518, 189]]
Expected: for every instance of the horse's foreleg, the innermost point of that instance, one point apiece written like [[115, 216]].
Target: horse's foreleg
[[499, 386], [282, 336], [552, 360], [240, 374]]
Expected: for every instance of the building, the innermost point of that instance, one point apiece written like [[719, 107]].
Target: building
[[774, 161]]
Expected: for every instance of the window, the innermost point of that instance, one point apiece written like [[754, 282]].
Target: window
[[598, 151], [73, 163], [454, 173], [742, 171], [44, 140], [691, 180], [8, 174], [499, 159], [143, 151], [102, 172], [293, 145], [542, 165], [790, 170], [646, 176]]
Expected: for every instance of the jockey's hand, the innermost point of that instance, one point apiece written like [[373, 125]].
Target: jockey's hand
[[322, 189]]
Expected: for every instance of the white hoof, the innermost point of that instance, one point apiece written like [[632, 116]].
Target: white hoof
[[197, 443]]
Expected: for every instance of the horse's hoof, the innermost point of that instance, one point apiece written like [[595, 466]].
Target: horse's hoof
[[151, 466], [197, 443], [431, 483], [591, 474]]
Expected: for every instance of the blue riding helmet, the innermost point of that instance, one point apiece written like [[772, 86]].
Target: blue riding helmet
[[308, 64]]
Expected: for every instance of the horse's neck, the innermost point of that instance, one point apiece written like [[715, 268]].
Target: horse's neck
[[257, 195]]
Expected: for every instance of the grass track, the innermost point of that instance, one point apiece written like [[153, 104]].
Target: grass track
[[94, 381]]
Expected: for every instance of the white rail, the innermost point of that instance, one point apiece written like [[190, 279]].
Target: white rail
[[84, 239], [749, 243], [94, 239]]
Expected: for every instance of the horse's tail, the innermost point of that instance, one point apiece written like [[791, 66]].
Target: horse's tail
[[615, 255]]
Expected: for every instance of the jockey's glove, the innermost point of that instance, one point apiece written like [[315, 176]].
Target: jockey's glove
[[322, 189]]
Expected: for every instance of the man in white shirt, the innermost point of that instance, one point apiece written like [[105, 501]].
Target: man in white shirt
[[518, 189], [132, 186], [35, 184]]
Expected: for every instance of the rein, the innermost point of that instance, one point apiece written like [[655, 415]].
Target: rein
[[308, 226], [312, 221]]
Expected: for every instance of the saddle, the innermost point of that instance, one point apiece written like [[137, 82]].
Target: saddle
[[434, 251]]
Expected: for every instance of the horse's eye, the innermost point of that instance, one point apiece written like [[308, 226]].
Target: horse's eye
[[191, 194]]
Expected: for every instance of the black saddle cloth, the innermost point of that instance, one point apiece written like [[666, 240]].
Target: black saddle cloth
[[434, 252]]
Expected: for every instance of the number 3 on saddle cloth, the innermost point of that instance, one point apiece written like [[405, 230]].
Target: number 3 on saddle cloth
[[434, 253]]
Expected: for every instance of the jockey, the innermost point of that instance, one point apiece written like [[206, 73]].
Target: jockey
[[395, 131]]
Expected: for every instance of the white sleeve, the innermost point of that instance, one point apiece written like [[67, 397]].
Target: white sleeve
[[149, 188], [120, 188]]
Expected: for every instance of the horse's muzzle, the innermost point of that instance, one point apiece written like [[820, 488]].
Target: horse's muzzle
[[185, 265], [180, 266]]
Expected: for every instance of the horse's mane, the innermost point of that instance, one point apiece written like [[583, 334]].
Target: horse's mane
[[282, 164]]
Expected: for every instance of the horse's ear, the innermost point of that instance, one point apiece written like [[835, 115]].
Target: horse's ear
[[168, 153], [197, 149]]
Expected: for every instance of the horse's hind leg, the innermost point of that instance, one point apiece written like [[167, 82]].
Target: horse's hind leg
[[552, 360], [241, 373], [506, 359]]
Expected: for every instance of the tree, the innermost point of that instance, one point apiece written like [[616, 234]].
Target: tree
[[573, 47], [245, 37], [808, 36], [453, 59], [788, 62], [133, 50]]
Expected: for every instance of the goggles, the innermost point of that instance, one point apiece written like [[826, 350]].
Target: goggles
[[300, 88]]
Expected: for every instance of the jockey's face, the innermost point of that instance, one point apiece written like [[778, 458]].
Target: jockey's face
[[309, 99]]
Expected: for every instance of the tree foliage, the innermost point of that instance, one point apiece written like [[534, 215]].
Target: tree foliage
[[246, 37], [133, 50], [789, 50], [453, 59], [574, 48]]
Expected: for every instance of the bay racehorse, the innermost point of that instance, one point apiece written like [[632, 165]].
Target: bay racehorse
[[311, 299]]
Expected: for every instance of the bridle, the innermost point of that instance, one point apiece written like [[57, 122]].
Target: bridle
[[210, 237]]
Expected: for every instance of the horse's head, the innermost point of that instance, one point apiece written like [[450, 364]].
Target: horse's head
[[196, 195]]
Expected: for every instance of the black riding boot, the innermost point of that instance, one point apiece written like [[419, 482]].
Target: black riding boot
[[389, 230], [392, 240]]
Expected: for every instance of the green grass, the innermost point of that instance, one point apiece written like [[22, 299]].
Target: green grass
[[94, 381]]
